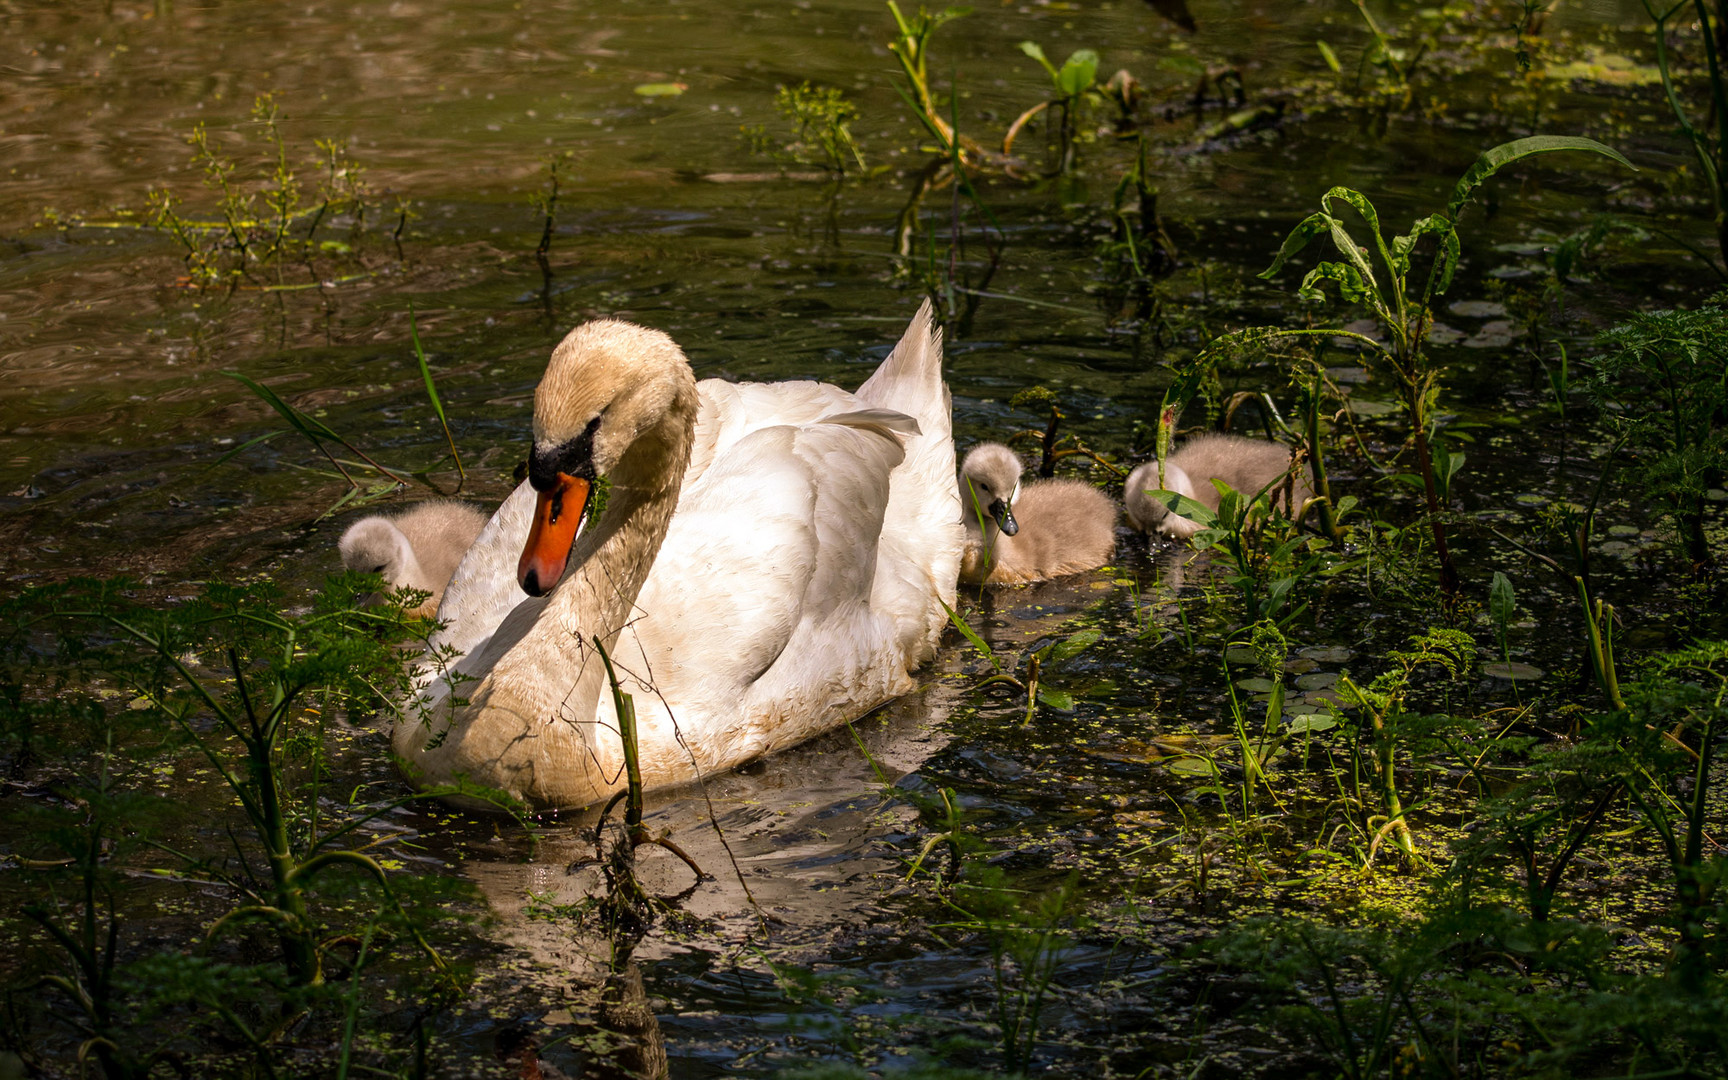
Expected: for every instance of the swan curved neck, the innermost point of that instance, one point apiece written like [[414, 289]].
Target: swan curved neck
[[612, 557]]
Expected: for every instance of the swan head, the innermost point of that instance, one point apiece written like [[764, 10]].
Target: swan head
[[608, 384], [374, 545], [990, 481]]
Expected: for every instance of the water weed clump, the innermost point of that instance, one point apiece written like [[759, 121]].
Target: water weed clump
[[266, 221], [1658, 377], [234, 685]]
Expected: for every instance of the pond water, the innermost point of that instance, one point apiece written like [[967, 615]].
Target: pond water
[[116, 417]]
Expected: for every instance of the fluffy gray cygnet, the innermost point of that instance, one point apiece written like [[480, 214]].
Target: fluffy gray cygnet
[[1016, 534], [418, 548], [1247, 465]]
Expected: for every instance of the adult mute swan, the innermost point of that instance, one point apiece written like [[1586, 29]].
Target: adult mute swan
[[771, 561], [418, 548], [1247, 465], [1016, 535]]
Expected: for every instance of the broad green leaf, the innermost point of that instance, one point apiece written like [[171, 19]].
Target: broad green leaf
[[1229, 503], [1502, 602], [1497, 158], [1032, 49], [1190, 766], [1347, 246], [1303, 725], [1184, 507], [1307, 229], [1078, 72], [1074, 644], [1350, 284], [1056, 699]]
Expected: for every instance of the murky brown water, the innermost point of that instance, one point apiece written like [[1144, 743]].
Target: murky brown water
[[114, 411]]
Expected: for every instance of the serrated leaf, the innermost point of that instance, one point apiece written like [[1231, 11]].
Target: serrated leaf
[[1307, 229]]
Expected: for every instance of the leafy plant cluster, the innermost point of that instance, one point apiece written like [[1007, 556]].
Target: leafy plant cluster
[[1503, 971], [106, 694], [269, 214]]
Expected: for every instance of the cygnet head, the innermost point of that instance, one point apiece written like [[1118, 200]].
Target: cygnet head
[[374, 545], [990, 481], [1146, 512]]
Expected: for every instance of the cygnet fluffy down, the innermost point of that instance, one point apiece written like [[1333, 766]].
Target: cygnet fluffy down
[[1018, 534], [418, 548], [1247, 465]]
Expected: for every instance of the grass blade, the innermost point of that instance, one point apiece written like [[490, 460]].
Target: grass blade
[[432, 392]]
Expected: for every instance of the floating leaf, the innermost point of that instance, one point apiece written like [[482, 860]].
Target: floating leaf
[[1310, 723], [1057, 699], [1515, 672], [1190, 766], [662, 89], [1073, 645]]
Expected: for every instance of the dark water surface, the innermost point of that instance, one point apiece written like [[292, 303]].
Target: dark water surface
[[114, 412]]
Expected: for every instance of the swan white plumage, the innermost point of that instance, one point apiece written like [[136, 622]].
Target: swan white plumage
[[772, 562]]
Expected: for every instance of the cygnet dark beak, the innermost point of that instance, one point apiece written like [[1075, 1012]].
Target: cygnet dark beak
[[1004, 515]]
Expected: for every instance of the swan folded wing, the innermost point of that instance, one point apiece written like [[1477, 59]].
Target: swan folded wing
[[842, 658], [484, 588]]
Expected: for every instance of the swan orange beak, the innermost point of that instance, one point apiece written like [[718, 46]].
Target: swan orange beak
[[558, 517]]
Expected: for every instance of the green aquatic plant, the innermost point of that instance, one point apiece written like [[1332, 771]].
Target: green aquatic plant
[[1027, 932], [1272, 562], [1386, 278], [1710, 147], [1662, 747], [911, 47], [1382, 727], [1038, 661], [821, 120], [544, 199], [1073, 86], [258, 216], [1658, 377], [244, 711]]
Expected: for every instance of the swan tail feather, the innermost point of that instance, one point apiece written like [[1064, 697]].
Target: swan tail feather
[[885, 422]]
